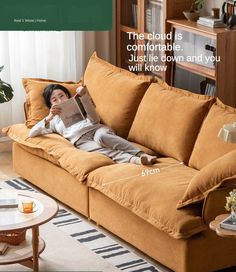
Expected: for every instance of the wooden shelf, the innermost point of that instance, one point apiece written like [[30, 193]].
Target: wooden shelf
[[197, 69], [130, 13], [223, 42], [128, 29], [21, 252], [222, 39], [196, 28], [146, 17]]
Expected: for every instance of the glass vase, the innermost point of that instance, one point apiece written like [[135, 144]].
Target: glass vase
[[233, 214]]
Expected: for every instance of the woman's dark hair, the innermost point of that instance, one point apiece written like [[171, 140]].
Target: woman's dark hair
[[47, 93]]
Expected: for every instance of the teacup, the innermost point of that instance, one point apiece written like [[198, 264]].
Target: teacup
[[27, 205]]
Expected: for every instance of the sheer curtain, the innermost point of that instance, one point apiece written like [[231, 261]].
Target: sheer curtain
[[61, 55]]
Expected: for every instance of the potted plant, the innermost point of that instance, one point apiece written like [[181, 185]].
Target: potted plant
[[6, 91], [231, 203], [193, 13]]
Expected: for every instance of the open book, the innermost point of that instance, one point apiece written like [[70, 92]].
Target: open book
[[72, 111], [228, 223], [3, 248], [8, 199]]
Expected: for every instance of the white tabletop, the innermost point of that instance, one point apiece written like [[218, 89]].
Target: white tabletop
[[12, 218]]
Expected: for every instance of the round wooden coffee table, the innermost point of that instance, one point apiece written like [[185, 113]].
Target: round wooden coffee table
[[12, 219]]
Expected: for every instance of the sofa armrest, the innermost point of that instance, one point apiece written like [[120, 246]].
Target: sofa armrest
[[214, 203]]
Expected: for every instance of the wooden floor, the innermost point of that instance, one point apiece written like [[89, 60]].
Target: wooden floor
[[6, 168]]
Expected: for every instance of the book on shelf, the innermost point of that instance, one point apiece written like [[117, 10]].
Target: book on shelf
[[154, 19], [210, 19], [228, 223], [72, 111], [153, 16], [149, 20], [3, 248], [134, 14], [8, 199], [211, 23], [210, 89], [158, 3]]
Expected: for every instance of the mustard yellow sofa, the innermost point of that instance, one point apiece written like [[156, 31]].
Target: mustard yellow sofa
[[164, 209]]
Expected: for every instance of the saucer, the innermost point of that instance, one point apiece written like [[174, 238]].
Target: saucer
[[20, 208]]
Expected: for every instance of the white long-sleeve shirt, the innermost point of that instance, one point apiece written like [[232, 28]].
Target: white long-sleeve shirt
[[74, 132]]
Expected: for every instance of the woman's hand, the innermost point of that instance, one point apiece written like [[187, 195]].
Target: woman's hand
[[81, 90], [55, 110]]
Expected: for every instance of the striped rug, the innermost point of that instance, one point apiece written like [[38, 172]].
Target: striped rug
[[94, 239]]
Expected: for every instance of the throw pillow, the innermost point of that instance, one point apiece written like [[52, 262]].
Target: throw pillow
[[209, 178], [208, 146], [116, 93], [168, 120], [35, 107]]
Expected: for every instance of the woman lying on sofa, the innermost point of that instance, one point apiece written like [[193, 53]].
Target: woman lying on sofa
[[89, 134]]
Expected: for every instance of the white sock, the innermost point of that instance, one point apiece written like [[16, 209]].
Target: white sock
[[143, 160], [147, 159], [135, 160]]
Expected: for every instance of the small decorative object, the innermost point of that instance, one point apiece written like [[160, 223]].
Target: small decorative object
[[215, 13], [13, 237], [193, 13], [6, 91], [228, 133], [231, 204]]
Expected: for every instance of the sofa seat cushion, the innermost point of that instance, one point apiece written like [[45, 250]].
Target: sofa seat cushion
[[40, 153], [116, 93], [168, 120], [208, 147], [77, 162], [152, 193]]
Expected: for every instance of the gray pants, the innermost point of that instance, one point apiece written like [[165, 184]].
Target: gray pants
[[105, 141]]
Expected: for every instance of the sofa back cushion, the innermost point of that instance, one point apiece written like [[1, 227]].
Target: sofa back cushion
[[208, 146], [116, 93], [35, 107], [168, 121]]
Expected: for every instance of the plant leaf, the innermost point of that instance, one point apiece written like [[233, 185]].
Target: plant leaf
[[1, 68], [199, 4], [6, 92], [2, 100]]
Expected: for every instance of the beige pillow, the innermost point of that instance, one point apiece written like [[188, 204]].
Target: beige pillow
[[168, 121], [116, 93], [35, 107], [208, 146], [209, 178]]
